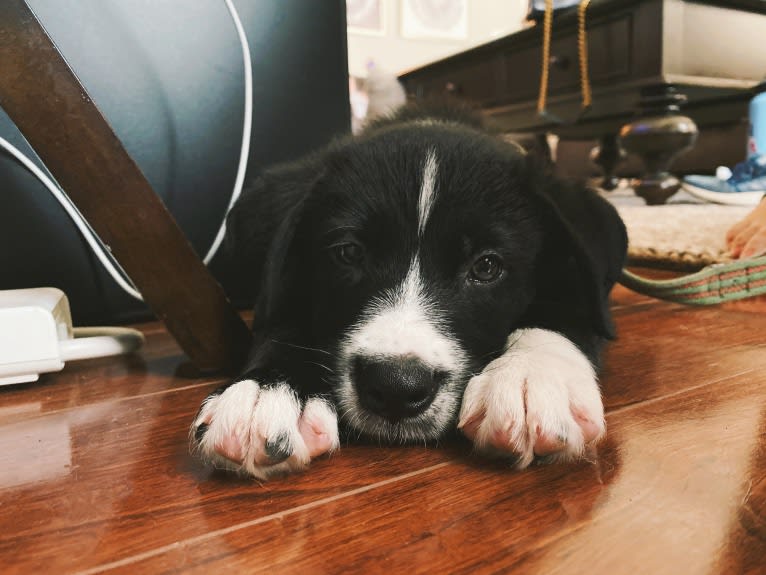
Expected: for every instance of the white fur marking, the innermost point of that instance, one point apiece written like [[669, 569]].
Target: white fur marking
[[249, 416], [427, 190], [404, 323], [320, 416], [542, 382]]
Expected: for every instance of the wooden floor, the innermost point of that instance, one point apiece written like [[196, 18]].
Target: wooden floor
[[95, 475]]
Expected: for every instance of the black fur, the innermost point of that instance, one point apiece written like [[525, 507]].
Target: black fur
[[562, 245]]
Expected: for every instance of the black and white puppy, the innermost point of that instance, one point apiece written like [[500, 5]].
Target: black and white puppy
[[421, 277]]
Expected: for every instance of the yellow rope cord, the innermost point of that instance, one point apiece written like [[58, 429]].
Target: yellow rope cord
[[582, 48], [547, 25], [582, 52]]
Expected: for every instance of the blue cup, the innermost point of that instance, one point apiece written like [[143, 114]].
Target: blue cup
[[756, 143]]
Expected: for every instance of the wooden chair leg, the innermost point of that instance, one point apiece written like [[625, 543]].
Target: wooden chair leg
[[41, 94]]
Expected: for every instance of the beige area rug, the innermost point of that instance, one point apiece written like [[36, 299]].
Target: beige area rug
[[679, 236]]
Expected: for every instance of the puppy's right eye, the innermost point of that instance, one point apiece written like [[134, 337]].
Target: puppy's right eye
[[350, 254], [487, 268]]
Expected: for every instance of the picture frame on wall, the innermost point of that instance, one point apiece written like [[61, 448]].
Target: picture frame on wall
[[366, 17], [435, 19]]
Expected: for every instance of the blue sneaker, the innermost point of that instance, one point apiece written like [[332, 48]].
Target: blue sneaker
[[743, 186]]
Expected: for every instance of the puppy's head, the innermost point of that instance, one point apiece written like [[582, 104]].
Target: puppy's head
[[409, 257]]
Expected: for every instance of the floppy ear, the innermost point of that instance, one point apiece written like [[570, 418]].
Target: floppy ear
[[261, 222], [274, 321], [263, 206], [583, 253], [281, 282]]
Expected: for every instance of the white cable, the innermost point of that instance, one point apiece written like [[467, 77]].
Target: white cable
[[90, 342], [99, 249], [247, 126], [90, 236]]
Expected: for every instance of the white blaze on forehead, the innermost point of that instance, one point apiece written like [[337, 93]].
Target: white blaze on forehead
[[404, 323], [427, 190]]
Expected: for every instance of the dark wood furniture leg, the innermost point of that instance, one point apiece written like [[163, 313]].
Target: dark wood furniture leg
[[607, 156], [659, 135], [45, 99]]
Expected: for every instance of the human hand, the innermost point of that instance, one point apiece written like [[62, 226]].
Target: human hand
[[747, 238]]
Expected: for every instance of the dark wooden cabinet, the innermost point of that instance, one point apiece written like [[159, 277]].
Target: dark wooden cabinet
[[711, 52], [649, 62]]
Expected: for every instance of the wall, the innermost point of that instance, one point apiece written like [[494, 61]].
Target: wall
[[487, 19]]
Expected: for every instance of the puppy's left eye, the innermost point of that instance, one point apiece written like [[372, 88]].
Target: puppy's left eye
[[486, 268], [349, 253]]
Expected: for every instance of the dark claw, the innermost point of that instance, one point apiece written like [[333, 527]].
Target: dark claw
[[279, 448], [199, 433]]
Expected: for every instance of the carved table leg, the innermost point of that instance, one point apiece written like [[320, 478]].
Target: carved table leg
[[659, 135], [607, 155]]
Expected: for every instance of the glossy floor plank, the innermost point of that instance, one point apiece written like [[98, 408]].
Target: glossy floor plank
[[645, 489], [114, 479], [95, 474], [159, 367]]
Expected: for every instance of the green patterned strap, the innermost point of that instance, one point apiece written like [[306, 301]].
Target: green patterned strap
[[714, 284]]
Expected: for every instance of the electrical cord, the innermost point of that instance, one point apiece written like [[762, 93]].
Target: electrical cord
[[247, 126], [90, 342], [95, 243], [102, 251]]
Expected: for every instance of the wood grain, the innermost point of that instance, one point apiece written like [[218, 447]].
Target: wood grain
[[162, 366], [643, 492], [95, 474], [118, 480]]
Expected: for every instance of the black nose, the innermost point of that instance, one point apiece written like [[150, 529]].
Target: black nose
[[396, 387]]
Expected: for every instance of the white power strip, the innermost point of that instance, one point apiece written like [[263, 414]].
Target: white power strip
[[36, 335]]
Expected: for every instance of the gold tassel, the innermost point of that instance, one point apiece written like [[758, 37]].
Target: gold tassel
[[582, 48], [547, 25], [582, 53]]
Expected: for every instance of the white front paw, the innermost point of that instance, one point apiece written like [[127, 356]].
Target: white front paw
[[541, 397], [263, 431]]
